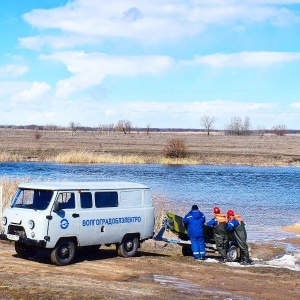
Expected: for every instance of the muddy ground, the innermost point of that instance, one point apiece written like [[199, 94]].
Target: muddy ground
[[158, 272]]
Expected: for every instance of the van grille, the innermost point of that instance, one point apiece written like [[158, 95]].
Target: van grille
[[17, 230]]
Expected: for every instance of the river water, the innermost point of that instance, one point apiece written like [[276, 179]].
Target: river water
[[266, 197]]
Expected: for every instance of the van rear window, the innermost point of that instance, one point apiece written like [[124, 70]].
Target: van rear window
[[106, 199], [131, 198]]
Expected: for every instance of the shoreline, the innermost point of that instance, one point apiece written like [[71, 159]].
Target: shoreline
[[292, 228], [17, 145], [109, 158]]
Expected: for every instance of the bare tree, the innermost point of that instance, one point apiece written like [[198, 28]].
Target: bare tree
[[51, 127], [246, 126], [207, 122], [101, 128], [238, 127], [124, 125], [148, 129], [106, 128], [110, 128], [128, 126], [279, 130], [73, 127]]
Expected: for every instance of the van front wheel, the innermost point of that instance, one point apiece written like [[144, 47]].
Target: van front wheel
[[63, 254], [128, 247], [24, 251]]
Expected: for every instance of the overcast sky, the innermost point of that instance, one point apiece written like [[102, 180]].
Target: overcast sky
[[164, 63]]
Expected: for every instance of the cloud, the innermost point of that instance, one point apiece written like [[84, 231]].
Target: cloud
[[12, 71], [57, 42], [148, 21], [244, 59], [181, 115], [90, 69], [295, 105], [32, 91]]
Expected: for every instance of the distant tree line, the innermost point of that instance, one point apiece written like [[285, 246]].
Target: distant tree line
[[236, 126]]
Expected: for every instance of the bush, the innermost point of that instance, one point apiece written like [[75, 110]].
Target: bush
[[279, 130], [37, 135], [175, 148]]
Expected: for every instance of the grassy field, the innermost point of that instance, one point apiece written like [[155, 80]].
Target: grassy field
[[116, 147]]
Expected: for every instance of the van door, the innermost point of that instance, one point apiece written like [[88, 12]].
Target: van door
[[87, 219], [133, 212], [65, 222], [107, 217]]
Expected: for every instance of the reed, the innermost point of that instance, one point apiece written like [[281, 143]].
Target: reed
[[9, 157], [9, 188], [89, 157], [178, 161]]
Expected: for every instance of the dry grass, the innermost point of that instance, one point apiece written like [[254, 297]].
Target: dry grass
[[92, 147], [9, 157], [9, 188], [88, 157]]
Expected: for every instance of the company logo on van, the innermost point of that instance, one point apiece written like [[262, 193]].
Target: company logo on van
[[64, 223], [111, 221]]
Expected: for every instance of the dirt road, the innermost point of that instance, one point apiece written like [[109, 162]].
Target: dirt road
[[158, 272]]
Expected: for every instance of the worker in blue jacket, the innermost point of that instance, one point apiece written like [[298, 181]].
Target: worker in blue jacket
[[194, 223]]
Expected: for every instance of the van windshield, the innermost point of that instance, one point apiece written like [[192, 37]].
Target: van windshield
[[32, 199]]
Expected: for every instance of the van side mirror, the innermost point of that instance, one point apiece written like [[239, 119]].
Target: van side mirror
[[56, 206]]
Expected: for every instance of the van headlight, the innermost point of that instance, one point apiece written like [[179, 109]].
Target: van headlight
[[30, 224], [4, 221]]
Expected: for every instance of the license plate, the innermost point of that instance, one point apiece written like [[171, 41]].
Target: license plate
[[13, 237]]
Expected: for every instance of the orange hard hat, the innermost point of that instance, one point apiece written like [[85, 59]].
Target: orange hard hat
[[216, 210], [230, 213]]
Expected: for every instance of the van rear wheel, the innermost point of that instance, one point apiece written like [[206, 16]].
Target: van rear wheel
[[128, 247], [233, 253], [64, 253], [187, 251]]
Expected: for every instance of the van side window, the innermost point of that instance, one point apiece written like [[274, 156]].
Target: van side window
[[86, 200], [66, 200], [106, 199], [131, 198]]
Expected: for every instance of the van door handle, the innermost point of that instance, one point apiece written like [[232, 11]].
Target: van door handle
[[75, 215]]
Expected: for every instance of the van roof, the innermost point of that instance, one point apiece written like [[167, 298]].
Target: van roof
[[73, 185]]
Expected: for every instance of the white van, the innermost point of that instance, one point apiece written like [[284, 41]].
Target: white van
[[61, 216]]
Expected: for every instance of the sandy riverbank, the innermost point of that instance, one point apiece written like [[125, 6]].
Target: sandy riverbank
[[292, 228]]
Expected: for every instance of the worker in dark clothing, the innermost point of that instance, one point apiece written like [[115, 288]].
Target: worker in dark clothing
[[236, 224], [194, 223], [218, 222]]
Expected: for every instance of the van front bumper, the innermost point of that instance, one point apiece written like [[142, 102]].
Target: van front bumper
[[26, 241]]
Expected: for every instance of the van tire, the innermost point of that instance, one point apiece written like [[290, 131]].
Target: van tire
[[233, 253], [24, 251], [128, 247], [64, 253], [187, 251]]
